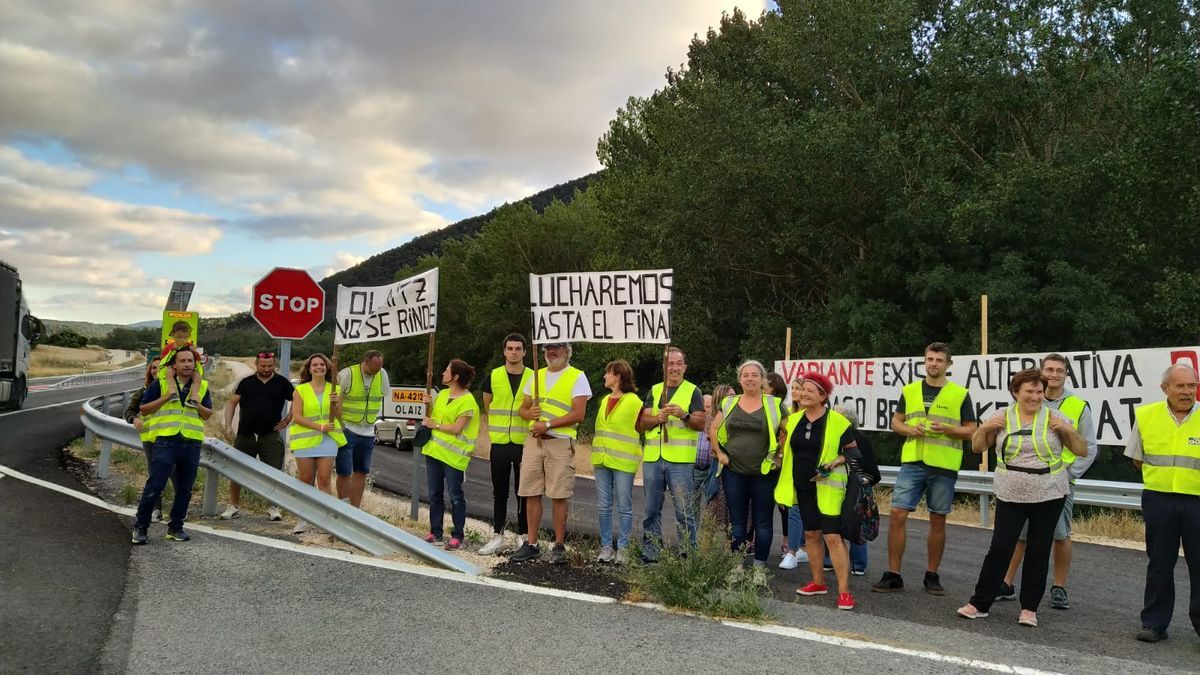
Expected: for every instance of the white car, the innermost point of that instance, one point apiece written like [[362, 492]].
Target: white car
[[396, 432]]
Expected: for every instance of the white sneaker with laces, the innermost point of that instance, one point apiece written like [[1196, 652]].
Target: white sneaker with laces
[[607, 555], [493, 546], [231, 513], [788, 562], [273, 513], [301, 527]]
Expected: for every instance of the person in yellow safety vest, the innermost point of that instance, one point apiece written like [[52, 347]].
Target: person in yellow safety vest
[[935, 416], [1031, 485], [133, 415], [745, 435], [677, 406], [1164, 445], [548, 458], [315, 433], [178, 431], [181, 336], [818, 442], [454, 422], [507, 431], [363, 385], [1077, 410], [616, 453]]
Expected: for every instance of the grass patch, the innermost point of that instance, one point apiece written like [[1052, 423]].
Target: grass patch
[[709, 578]]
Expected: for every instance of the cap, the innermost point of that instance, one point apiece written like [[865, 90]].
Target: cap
[[823, 382], [548, 345]]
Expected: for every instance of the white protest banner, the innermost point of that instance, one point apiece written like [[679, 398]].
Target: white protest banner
[[630, 306], [402, 309], [1112, 382]]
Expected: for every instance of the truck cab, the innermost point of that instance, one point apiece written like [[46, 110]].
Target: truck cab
[[19, 331]]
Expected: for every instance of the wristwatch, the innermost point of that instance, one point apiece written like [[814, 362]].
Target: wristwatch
[[688, 416]]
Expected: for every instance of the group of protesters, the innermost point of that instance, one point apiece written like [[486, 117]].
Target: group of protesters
[[773, 447]]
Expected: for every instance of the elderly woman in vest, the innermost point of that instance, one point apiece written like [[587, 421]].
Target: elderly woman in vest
[[1031, 484], [616, 453], [315, 433], [455, 425], [745, 438], [818, 443]]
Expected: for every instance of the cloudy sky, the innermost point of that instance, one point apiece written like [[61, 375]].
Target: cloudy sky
[[145, 141]]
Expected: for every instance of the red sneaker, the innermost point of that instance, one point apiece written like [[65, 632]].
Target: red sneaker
[[812, 589], [845, 601]]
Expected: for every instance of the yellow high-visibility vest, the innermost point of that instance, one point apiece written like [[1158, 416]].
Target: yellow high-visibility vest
[[453, 450], [504, 424], [557, 401], [1171, 451], [935, 450], [360, 405], [831, 491], [1072, 407], [616, 444], [174, 418], [770, 409], [1041, 440], [680, 446], [317, 411]]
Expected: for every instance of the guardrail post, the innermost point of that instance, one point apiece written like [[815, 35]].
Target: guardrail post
[[210, 492], [984, 503], [415, 509], [105, 456], [88, 438]]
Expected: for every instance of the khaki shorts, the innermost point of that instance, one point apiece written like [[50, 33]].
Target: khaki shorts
[[548, 468]]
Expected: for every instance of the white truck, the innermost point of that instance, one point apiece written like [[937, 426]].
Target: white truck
[[18, 331]]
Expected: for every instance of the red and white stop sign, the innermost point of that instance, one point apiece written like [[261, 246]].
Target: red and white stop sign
[[287, 303]]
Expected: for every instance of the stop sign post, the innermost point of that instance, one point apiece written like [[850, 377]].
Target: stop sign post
[[289, 305]]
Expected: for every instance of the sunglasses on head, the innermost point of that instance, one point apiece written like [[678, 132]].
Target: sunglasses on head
[[266, 355]]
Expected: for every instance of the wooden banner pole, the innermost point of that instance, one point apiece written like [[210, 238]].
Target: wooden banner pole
[[787, 345], [984, 500]]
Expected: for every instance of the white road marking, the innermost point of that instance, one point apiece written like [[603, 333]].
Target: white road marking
[[346, 556], [48, 405]]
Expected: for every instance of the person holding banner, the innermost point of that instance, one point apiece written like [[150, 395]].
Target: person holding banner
[[616, 451], [1031, 485], [365, 385], [507, 431], [455, 425], [1163, 446], [1054, 370], [746, 441], [818, 442], [935, 416], [316, 431], [548, 458], [676, 406]]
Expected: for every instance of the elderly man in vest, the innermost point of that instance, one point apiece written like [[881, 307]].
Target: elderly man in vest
[[672, 418], [502, 400], [548, 458], [365, 384], [935, 416], [1054, 369], [1164, 444], [177, 431]]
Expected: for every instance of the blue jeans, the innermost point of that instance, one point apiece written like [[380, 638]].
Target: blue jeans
[[858, 556], [916, 481], [657, 478], [177, 459], [752, 495], [795, 529], [608, 482], [355, 455], [440, 477]]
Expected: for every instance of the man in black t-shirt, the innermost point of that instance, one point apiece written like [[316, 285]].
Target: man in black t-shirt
[[507, 431], [262, 397]]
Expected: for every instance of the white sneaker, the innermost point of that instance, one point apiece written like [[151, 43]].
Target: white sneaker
[[231, 513], [156, 516], [493, 546], [622, 556], [273, 513], [301, 527], [801, 556], [788, 562], [606, 555]]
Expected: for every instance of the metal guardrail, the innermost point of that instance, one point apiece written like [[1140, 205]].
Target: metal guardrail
[[1091, 492], [322, 510], [105, 377]]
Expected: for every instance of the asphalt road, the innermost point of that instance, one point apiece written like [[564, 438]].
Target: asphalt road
[[62, 562], [1105, 590]]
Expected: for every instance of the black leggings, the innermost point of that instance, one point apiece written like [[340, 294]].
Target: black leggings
[[1010, 518], [506, 461]]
